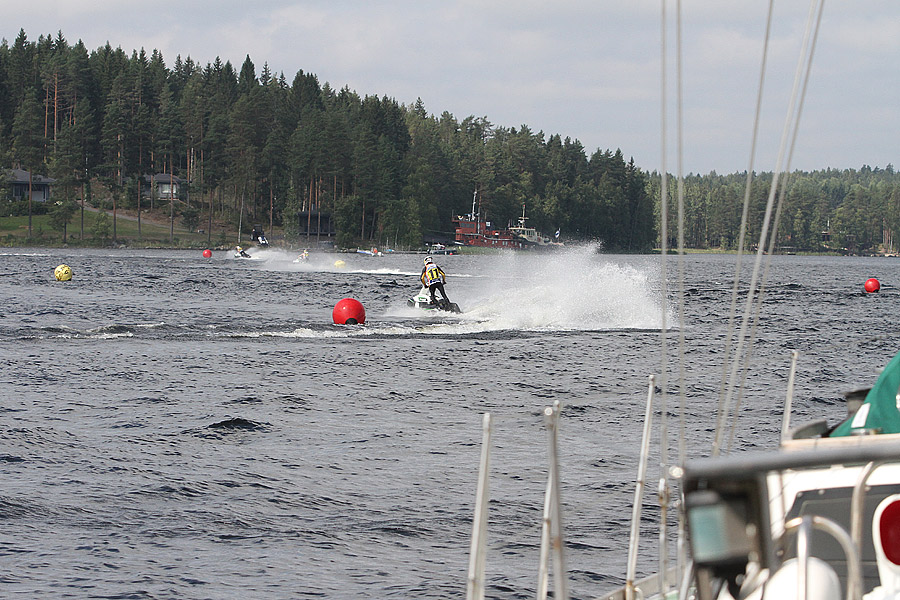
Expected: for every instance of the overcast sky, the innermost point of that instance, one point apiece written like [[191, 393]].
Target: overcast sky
[[585, 69]]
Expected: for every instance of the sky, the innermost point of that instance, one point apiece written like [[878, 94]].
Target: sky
[[584, 69]]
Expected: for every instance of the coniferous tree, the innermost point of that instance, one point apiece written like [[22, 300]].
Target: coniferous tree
[[28, 143], [381, 171], [7, 102], [61, 215], [169, 144]]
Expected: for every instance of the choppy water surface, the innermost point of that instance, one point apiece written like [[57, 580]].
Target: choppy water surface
[[176, 427]]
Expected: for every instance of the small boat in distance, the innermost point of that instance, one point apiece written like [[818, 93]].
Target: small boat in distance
[[442, 249], [531, 236]]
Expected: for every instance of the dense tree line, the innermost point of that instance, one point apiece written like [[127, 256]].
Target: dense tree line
[[842, 210], [256, 147]]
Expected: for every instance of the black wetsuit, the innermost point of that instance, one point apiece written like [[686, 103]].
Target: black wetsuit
[[434, 283]]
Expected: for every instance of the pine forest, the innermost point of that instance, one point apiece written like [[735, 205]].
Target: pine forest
[[254, 146]]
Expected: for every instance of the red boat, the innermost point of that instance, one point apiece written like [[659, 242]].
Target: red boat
[[472, 231]]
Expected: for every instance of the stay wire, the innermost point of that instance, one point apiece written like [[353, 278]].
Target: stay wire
[[735, 376], [732, 313], [681, 543], [664, 239], [804, 68], [680, 149], [664, 214]]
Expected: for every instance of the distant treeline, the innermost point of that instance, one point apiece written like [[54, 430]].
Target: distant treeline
[[842, 210], [255, 148]]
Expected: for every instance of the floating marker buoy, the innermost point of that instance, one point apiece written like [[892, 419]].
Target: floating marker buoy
[[207, 253], [349, 312], [339, 264], [872, 285], [63, 273]]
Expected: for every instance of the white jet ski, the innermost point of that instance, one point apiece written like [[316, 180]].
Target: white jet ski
[[258, 236], [423, 300]]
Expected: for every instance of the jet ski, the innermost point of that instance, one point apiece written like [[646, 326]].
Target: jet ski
[[423, 300], [258, 236], [239, 252]]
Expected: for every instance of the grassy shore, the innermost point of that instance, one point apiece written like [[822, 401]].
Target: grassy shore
[[154, 232]]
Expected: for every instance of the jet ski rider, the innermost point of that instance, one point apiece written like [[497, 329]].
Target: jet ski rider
[[433, 277]]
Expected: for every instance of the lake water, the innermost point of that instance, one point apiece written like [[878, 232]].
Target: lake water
[[177, 427]]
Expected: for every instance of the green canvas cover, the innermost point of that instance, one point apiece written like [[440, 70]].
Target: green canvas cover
[[879, 410]]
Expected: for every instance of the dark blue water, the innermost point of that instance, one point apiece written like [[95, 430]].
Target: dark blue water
[[175, 427]]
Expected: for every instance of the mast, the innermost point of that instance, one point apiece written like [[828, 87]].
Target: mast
[[476, 216]]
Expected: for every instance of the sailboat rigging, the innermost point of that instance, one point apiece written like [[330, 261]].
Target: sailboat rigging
[[817, 517]]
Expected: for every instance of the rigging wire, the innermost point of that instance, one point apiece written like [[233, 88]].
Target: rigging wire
[[720, 409], [754, 297], [680, 158], [664, 367], [663, 489], [681, 545], [792, 125]]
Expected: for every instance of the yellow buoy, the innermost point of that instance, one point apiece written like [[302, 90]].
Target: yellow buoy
[[339, 263], [63, 273]]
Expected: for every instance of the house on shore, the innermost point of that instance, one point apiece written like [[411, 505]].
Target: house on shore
[[17, 181], [165, 185]]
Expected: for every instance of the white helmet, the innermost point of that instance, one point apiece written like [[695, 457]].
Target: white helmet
[[428, 260]]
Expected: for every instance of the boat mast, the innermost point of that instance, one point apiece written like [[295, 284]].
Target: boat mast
[[476, 216]]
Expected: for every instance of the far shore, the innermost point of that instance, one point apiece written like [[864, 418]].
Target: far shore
[[158, 233]]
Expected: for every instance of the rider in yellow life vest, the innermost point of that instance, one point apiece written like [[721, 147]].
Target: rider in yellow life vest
[[433, 278]]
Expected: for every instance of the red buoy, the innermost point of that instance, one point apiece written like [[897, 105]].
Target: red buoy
[[872, 285], [349, 312], [207, 253]]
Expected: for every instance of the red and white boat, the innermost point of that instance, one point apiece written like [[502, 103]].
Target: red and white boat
[[471, 230]]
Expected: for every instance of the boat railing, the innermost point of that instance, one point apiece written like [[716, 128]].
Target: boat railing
[[478, 549], [633, 540], [647, 587], [552, 545], [803, 526], [786, 420], [857, 505], [551, 526], [859, 454], [729, 512]]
